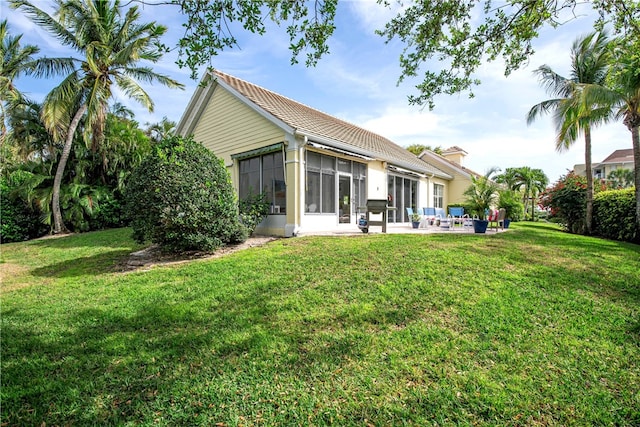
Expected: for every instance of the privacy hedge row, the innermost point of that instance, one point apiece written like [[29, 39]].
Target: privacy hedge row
[[614, 215]]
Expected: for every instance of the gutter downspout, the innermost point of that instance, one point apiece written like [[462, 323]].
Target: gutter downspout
[[303, 183], [292, 230]]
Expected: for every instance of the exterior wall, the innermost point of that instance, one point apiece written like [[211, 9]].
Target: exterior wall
[[580, 170], [377, 180], [440, 181], [227, 126], [425, 193], [456, 157], [606, 168], [454, 191]]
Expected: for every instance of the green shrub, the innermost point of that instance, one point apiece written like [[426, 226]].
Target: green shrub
[[614, 214], [567, 199], [109, 214], [253, 210], [181, 198], [19, 220], [511, 203]]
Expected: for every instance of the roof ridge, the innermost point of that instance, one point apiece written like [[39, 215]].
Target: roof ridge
[[216, 71], [314, 122], [330, 116]]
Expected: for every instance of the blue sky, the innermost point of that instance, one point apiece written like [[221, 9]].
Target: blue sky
[[357, 82]]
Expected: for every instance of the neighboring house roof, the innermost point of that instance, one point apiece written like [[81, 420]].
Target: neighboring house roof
[[454, 149], [441, 161], [619, 156], [314, 124]]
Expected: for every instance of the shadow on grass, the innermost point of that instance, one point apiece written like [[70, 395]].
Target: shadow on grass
[[92, 239], [104, 262], [603, 267], [107, 367]]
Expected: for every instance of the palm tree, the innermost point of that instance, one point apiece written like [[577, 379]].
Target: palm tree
[[15, 61], [28, 134], [622, 96], [161, 130], [482, 194], [572, 114], [508, 177], [111, 46], [531, 182]]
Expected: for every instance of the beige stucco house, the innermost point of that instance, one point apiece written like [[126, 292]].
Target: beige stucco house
[[619, 159], [317, 170], [451, 161]]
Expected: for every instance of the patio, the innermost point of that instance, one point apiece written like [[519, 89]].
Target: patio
[[400, 229]]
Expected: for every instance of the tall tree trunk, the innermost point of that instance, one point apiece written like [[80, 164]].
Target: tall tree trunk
[[58, 224], [635, 139], [533, 205], [632, 122], [588, 170]]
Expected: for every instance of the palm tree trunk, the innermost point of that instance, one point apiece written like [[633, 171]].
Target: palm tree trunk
[[58, 224], [533, 206], [635, 139], [588, 170]]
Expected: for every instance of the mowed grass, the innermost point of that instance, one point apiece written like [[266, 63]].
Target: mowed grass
[[529, 327]]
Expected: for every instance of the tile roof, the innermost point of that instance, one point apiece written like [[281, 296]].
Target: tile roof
[[453, 165], [620, 156], [307, 120], [454, 149]]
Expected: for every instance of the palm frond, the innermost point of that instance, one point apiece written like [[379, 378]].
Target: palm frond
[[46, 21], [134, 91], [544, 107]]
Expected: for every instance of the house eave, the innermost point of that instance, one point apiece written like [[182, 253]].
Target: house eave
[[310, 136], [201, 97]]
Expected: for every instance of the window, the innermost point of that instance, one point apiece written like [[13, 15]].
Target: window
[[598, 174], [404, 194], [438, 196], [321, 183], [322, 171], [264, 174], [359, 184]]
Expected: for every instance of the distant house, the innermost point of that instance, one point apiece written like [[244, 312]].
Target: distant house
[[451, 161], [619, 159], [316, 170]]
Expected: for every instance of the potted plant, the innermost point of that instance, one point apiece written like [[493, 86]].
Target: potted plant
[[510, 202], [480, 197], [415, 219]]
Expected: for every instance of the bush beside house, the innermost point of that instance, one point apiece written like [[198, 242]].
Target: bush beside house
[[181, 198]]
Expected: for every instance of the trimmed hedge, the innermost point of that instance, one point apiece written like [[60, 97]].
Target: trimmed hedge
[[614, 213]]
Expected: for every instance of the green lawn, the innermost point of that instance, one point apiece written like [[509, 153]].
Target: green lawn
[[530, 327]]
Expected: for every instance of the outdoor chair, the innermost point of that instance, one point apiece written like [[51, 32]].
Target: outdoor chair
[[467, 222], [429, 217], [456, 214], [496, 218]]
